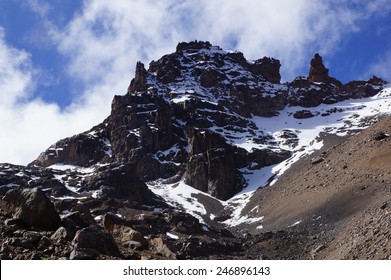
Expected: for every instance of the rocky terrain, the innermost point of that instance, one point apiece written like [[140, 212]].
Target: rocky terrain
[[209, 156]]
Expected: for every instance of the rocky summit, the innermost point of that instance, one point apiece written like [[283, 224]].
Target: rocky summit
[[209, 156]]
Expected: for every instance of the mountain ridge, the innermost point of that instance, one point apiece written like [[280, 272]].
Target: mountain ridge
[[199, 131]]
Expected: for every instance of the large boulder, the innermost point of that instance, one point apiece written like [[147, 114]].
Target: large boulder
[[125, 235], [97, 240], [33, 207]]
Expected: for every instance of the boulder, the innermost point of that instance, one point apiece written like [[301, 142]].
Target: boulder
[[317, 160], [303, 114], [165, 248], [76, 218], [20, 242], [97, 239], [62, 234], [33, 207], [183, 223], [123, 234], [381, 135], [79, 253]]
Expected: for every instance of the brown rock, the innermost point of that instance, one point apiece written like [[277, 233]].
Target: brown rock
[[123, 234], [139, 82], [193, 45], [80, 150], [211, 78], [33, 207], [269, 68], [164, 248], [97, 239], [211, 167], [317, 160], [121, 181], [62, 234], [318, 72]]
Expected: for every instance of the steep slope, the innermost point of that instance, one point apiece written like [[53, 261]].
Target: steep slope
[[344, 196]]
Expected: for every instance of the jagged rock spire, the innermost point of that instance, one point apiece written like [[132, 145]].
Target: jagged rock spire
[[139, 81], [318, 72]]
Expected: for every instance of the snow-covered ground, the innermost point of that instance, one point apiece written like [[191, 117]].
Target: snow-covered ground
[[340, 118]]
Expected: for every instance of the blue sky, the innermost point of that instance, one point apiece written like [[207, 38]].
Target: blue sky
[[62, 61]]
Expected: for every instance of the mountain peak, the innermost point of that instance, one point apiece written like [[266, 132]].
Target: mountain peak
[[318, 72], [193, 45]]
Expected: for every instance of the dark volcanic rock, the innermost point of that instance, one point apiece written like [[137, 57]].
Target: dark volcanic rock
[[303, 114], [95, 238], [361, 89], [140, 80], [318, 72], [120, 181], [211, 166], [33, 207], [184, 115], [269, 68], [83, 149]]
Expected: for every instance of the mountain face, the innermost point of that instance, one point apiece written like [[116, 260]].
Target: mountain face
[[185, 115], [180, 158]]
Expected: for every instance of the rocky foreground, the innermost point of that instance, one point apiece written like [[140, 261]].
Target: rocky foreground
[[190, 120]]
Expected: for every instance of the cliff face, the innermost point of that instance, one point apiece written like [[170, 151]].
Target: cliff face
[[185, 115]]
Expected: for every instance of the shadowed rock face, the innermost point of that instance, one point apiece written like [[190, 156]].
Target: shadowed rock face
[[318, 72], [33, 207]]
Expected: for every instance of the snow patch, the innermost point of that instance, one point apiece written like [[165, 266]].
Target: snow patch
[[179, 195], [172, 236]]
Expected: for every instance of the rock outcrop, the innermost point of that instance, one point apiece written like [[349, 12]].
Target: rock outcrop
[[33, 207], [318, 72], [184, 113], [92, 241]]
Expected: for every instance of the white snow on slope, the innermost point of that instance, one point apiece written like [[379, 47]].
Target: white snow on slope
[[340, 118], [179, 195]]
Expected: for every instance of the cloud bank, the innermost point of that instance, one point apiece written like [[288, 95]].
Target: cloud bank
[[103, 40]]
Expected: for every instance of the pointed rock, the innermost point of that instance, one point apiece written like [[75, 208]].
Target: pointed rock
[[140, 80], [318, 72]]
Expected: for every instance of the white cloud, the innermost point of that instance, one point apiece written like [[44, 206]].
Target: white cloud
[[103, 41], [15, 73], [38, 6], [29, 125], [112, 35]]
